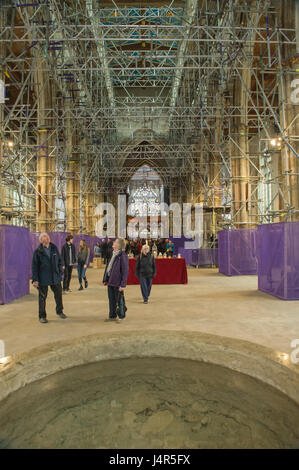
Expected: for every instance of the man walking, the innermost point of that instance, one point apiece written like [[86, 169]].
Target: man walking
[[68, 256], [47, 271]]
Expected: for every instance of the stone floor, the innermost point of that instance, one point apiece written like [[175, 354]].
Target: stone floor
[[210, 303]]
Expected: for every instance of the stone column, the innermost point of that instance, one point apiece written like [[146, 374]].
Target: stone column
[[73, 180], [46, 171], [240, 164], [289, 111]]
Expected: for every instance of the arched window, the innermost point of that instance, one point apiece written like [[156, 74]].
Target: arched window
[[145, 192], [145, 196]]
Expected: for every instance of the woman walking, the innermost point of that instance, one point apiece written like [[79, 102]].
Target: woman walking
[[83, 260], [115, 276], [145, 270]]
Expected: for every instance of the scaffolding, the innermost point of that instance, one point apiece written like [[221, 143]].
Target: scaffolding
[[198, 90]]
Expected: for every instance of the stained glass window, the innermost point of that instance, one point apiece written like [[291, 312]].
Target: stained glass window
[[146, 193]]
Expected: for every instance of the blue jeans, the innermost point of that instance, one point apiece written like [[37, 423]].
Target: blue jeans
[[146, 286], [81, 273]]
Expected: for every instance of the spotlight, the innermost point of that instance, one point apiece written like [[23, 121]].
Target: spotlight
[[10, 144], [273, 142]]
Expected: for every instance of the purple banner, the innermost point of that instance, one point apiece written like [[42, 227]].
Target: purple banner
[[278, 259], [15, 256], [236, 252], [204, 257]]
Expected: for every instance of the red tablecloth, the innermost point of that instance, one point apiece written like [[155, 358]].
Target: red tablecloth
[[169, 271]]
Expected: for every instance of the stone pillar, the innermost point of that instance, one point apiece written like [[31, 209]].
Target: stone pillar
[[289, 110], [240, 164], [45, 197], [290, 125], [89, 213], [73, 184]]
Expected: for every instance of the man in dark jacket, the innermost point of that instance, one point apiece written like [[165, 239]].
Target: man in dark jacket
[[68, 256], [145, 270], [47, 271], [104, 250], [115, 276], [109, 249]]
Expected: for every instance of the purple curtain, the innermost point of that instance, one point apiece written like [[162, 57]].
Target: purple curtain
[[58, 238], [237, 252], [187, 254], [278, 259], [207, 257], [15, 256]]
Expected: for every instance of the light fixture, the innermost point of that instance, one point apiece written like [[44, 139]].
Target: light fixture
[[273, 142], [10, 144]]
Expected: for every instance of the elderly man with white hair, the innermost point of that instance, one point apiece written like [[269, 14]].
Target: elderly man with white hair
[[47, 271]]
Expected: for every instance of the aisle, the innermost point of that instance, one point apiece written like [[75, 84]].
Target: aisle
[[210, 303]]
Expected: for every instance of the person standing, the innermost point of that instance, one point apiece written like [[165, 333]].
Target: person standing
[[109, 249], [83, 260], [170, 248], [97, 250], [47, 271], [115, 277], [134, 248], [104, 249], [68, 256], [163, 246], [145, 270]]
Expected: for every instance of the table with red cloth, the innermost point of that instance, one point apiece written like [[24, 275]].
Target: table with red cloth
[[169, 271]]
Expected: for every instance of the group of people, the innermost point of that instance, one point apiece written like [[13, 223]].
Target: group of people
[[69, 258], [49, 267], [133, 247], [104, 249]]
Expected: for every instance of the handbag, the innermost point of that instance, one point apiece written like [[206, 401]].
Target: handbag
[[121, 307], [106, 277]]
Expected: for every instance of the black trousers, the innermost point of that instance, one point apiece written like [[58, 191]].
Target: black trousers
[[112, 296], [67, 277], [42, 296]]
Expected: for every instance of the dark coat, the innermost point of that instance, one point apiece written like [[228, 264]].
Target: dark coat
[[109, 249], [162, 247], [119, 272], [104, 248], [46, 271], [145, 266], [65, 254]]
